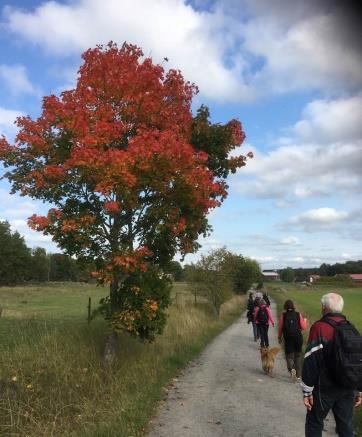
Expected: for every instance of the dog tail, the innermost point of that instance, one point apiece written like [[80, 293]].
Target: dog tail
[[274, 350]]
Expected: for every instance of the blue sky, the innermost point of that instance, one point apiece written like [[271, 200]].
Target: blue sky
[[290, 71]]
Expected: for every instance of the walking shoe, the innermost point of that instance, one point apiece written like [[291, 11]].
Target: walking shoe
[[298, 379], [293, 375]]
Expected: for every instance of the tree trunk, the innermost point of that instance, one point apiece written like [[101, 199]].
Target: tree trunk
[[110, 348], [113, 288], [111, 343]]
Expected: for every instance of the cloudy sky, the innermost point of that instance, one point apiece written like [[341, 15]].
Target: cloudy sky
[[291, 71]]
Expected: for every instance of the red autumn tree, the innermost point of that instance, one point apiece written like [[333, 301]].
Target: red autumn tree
[[125, 166]]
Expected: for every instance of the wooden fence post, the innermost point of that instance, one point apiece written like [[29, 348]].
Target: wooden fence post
[[89, 306]]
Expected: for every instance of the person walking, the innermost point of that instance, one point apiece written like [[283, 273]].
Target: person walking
[[291, 325], [266, 298], [250, 315], [263, 318], [332, 380]]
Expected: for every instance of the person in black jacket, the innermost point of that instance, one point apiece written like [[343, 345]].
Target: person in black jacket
[[322, 392], [291, 325], [250, 315]]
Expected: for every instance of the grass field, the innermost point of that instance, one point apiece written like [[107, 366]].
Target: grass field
[[53, 381], [307, 301]]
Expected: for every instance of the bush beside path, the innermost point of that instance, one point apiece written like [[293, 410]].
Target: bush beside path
[[225, 393]]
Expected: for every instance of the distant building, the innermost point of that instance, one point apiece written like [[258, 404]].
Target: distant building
[[313, 278], [357, 277], [271, 276]]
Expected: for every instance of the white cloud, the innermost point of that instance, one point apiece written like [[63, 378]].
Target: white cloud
[[7, 119], [271, 262], [297, 259], [265, 259], [284, 204], [193, 41], [308, 45], [321, 156], [331, 121], [32, 238], [23, 209], [320, 218], [234, 51], [15, 78], [290, 241], [16, 211]]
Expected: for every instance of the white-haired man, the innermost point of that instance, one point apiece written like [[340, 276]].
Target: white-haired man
[[321, 389]]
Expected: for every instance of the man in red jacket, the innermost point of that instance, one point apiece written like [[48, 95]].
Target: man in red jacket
[[321, 393]]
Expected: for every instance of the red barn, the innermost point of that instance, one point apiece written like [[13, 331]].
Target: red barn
[[357, 277]]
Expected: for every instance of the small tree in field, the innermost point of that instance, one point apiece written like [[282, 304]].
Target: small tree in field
[[287, 274], [209, 278], [115, 158], [247, 272], [242, 271]]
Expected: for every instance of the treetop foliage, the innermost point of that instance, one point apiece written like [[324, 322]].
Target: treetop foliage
[[123, 161]]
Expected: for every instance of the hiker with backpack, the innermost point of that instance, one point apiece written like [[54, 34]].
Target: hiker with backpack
[[332, 370], [263, 318], [291, 325], [250, 315]]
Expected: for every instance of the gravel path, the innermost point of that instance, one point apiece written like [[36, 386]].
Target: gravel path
[[224, 392]]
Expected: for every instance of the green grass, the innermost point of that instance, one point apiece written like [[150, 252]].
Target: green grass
[[53, 381], [49, 301], [307, 301]]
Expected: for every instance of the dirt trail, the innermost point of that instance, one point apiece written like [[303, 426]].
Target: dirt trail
[[224, 393]]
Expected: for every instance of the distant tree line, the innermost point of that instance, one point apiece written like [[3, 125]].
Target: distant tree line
[[19, 263], [341, 268], [325, 270]]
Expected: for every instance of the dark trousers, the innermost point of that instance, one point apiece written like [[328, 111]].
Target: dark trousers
[[263, 332], [255, 330], [341, 404], [294, 362], [293, 352]]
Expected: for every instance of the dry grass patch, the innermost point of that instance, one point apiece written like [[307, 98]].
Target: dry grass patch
[[53, 381]]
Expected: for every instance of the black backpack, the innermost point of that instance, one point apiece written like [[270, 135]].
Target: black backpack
[[291, 325], [262, 316], [345, 362]]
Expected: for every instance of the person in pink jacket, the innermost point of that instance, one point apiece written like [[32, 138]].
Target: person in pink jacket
[[263, 318], [291, 325]]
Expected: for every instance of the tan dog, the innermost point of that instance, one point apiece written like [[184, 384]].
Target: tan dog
[[268, 359]]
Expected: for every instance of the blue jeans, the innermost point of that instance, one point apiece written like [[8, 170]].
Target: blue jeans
[[340, 402]]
